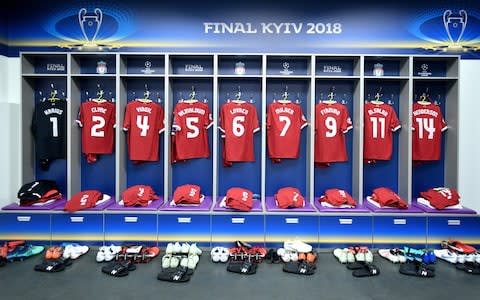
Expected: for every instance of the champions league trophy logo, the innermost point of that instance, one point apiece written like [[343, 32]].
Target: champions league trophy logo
[[455, 26], [90, 25], [286, 69]]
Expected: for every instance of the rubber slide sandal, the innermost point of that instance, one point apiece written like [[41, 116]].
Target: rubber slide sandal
[[469, 267], [367, 271], [117, 269], [242, 267], [302, 268], [418, 270], [53, 265], [180, 274]]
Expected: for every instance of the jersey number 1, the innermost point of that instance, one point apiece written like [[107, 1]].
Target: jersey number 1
[[375, 121]]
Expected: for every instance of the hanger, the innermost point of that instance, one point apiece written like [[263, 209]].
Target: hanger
[[378, 96], [424, 98], [193, 96], [285, 95], [331, 97], [100, 93], [146, 96], [238, 97], [53, 94]]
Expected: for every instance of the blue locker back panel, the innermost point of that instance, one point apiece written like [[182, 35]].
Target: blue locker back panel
[[429, 68], [88, 63], [58, 168], [464, 229], [252, 65], [151, 172], [279, 175], [383, 173], [344, 231], [25, 226], [337, 175], [241, 174], [394, 231], [390, 67], [199, 170], [335, 67], [285, 65], [101, 174], [188, 65], [50, 64], [153, 65], [430, 174]]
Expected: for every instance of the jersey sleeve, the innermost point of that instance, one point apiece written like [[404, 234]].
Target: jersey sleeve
[[303, 121], [176, 121], [127, 118], [269, 117], [346, 121], [80, 116], [442, 120], [221, 126], [160, 120], [208, 120], [113, 116], [254, 117], [394, 122]]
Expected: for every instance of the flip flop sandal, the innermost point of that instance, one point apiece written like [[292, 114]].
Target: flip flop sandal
[[302, 268], [247, 268], [418, 270], [23, 252], [367, 271], [176, 275], [388, 254]]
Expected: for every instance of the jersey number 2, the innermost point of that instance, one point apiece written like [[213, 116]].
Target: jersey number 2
[[97, 128]]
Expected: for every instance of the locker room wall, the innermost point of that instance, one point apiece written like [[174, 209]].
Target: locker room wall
[[469, 145]]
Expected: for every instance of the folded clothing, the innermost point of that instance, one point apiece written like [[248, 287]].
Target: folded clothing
[[187, 194], [338, 198], [441, 197], [238, 198], [289, 197], [139, 195], [326, 204], [386, 197], [427, 203], [85, 199], [38, 191]]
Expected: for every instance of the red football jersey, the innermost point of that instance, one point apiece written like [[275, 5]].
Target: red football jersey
[[97, 120], [428, 125], [144, 121], [191, 121], [238, 123], [331, 123], [284, 124], [380, 121]]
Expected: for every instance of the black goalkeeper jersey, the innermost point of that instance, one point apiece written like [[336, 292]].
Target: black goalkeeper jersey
[[49, 127]]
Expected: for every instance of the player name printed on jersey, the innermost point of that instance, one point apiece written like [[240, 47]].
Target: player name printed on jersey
[[284, 124], [191, 121], [97, 120], [144, 122], [332, 121], [380, 120], [238, 123], [49, 124], [428, 125]]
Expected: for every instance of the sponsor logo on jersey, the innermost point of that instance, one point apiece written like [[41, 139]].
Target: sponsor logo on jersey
[[193, 68], [378, 110], [425, 111], [284, 110], [50, 111], [330, 110]]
